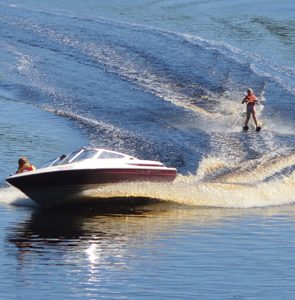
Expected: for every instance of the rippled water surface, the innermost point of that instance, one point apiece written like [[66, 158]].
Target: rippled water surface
[[160, 80], [162, 254]]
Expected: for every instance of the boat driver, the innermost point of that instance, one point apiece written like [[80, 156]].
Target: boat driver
[[24, 166]]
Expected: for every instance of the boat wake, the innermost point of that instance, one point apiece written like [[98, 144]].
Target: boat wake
[[189, 190]]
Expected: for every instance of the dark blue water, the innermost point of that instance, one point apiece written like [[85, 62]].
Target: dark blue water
[[160, 80]]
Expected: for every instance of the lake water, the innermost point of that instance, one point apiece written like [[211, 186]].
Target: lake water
[[160, 80]]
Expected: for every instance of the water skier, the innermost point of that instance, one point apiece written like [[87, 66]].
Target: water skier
[[251, 100]]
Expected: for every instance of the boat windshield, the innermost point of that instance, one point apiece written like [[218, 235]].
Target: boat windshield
[[52, 162], [78, 155], [87, 154], [69, 157], [107, 154]]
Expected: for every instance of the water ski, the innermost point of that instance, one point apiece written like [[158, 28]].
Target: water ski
[[246, 128]]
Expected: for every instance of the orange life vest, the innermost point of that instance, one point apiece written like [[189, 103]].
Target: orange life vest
[[251, 102], [25, 168]]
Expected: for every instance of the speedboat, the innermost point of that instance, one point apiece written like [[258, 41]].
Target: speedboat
[[63, 179]]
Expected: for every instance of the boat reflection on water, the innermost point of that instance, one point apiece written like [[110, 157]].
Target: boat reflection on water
[[78, 238], [59, 233]]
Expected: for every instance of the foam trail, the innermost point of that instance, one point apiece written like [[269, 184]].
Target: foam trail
[[225, 195], [247, 171], [12, 196]]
